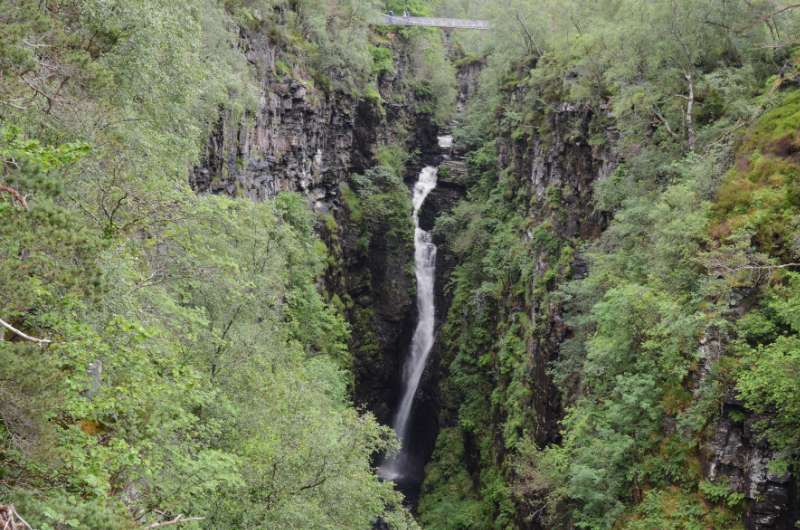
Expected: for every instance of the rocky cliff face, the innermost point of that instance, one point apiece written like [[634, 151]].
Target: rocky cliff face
[[542, 173], [299, 138], [468, 73], [305, 139], [734, 454], [550, 156], [555, 169], [564, 165]]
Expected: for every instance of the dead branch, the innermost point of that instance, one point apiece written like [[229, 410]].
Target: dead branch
[[17, 196], [530, 41], [784, 9], [11, 520], [23, 335], [320, 479], [761, 267], [777, 45], [721, 265], [178, 520], [13, 105], [664, 122], [39, 91], [767, 18]]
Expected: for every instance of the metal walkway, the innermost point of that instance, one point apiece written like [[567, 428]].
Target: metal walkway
[[446, 23]]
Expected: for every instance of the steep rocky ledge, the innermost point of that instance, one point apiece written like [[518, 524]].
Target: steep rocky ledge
[[565, 164], [735, 454], [556, 168], [552, 163], [302, 138], [298, 140], [305, 139]]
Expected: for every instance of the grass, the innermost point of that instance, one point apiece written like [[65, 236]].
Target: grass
[[761, 193]]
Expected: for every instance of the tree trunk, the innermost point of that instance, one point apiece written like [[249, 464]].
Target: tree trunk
[[690, 132]]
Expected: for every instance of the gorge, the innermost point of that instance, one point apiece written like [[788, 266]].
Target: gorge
[[268, 264]]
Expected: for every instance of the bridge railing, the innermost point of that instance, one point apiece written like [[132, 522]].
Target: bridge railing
[[447, 23]]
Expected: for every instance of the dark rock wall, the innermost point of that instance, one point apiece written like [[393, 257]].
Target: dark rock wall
[[733, 453], [304, 139], [299, 138], [555, 169], [468, 74], [562, 163]]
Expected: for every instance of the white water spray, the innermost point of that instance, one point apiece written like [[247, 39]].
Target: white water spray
[[422, 342]]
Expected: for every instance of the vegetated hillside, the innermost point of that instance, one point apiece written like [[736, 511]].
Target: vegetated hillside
[[168, 356], [622, 345]]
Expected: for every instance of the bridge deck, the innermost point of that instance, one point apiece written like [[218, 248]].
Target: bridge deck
[[447, 23]]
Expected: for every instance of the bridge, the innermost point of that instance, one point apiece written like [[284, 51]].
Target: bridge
[[446, 23]]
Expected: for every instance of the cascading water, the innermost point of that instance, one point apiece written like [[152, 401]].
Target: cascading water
[[422, 341]]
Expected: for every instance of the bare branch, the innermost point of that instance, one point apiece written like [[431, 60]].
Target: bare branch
[[780, 11], [11, 520], [13, 105], [664, 121], [23, 335], [320, 479], [17, 196], [531, 42], [39, 91], [318, 482], [763, 267], [178, 520], [766, 18]]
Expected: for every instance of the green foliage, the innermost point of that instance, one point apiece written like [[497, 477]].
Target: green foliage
[[383, 205], [769, 368], [329, 39], [672, 95], [382, 61], [29, 156], [392, 158], [221, 382], [450, 501], [485, 342], [376, 263], [434, 76], [334, 43], [721, 493], [672, 509], [195, 367], [415, 8], [761, 193]]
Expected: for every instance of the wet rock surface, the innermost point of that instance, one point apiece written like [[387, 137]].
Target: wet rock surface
[[737, 456], [557, 167]]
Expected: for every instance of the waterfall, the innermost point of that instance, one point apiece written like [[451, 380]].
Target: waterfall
[[422, 341]]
